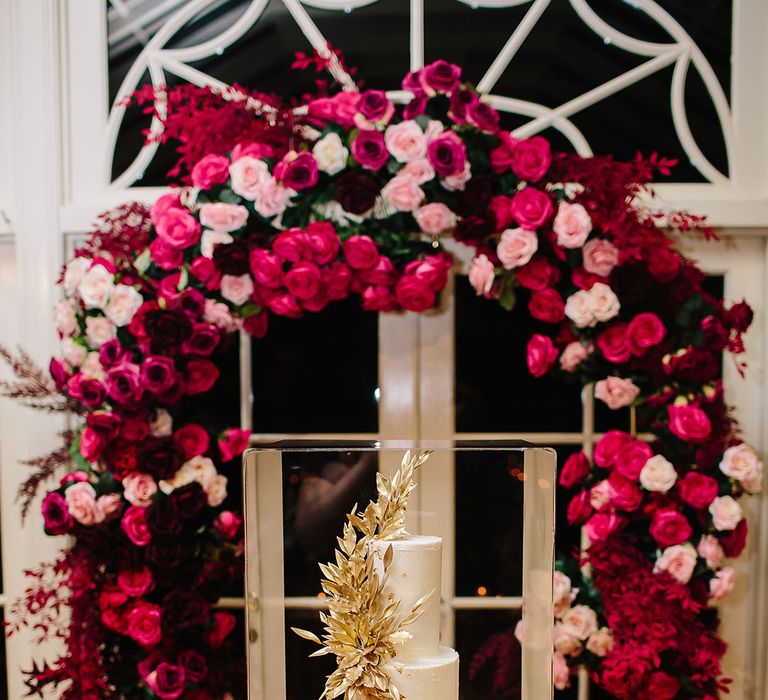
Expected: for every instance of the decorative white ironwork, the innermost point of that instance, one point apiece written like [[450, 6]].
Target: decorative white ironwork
[[681, 51]]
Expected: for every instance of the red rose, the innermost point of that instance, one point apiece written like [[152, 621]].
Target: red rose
[[336, 280], [579, 509], [537, 274], [669, 527], [292, 245], [625, 493], [531, 158], [223, 624], [531, 208], [193, 440], [541, 354], [602, 525], [547, 305], [378, 298], [689, 423], [501, 209], [644, 331], [414, 294], [209, 171], [585, 280], [201, 375], [502, 156], [257, 325], [575, 470], [360, 252], [734, 541], [632, 458], [205, 270], [740, 316], [303, 280], [660, 686], [697, 490], [233, 443], [285, 305], [612, 343], [144, 623]]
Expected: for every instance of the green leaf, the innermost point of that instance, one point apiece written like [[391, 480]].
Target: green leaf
[[508, 295], [250, 309], [229, 197]]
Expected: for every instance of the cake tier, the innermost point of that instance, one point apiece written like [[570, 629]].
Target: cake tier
[[432, 677], [415, 571]]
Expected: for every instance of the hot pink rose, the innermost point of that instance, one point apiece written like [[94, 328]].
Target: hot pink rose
[[602, 525], [144, 623], [297, 171], [178, 229], [369, 149], [267, 268], [537, 274], [689, 423], [644, 331], [360, 252], [575, 470], [432, 270], [249, 176], [722, 584], [616, 392], [501, 208], [625, 494], [435, 218], [233, 443], [613, 345], [341, 108], [134, 524], [516, 247], [223, 217], [697, 490], [531, 158], [292, 245], [402, 193], [378, 298], [531, 208], [406, 141], [574, 354], [167, 681], [161, 205], [138, 489], [572, 225], [541, 354], [323, 241], [482, 274], [678, 561], [600, 257], [631, 458], [285, 305], [193, 439], [201, 375], [669, 527], [547, 305], [228, 524], [336, 280], [303, 280], [579, 509], [414, 294], [135, 582], [81, 501], [209, 171]]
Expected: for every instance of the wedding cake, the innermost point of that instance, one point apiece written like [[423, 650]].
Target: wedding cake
[[422, 669]]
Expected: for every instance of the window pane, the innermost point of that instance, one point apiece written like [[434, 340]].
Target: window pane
[[494, 390], [305, 677], [319, 373]]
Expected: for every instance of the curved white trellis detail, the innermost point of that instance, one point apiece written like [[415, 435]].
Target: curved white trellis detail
[[681, 51]]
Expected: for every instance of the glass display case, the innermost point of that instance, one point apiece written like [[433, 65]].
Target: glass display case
[[497, 561]]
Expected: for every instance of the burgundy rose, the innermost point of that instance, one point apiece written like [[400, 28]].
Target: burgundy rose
[[697, 490], [56, 515], [644, 331], [473, 230], [440, 76], [163, 518], [689, 423], [476, 197], [541, 354], [184, 609], [416, 106], [160, 456], [547, 305], [187, 501], [303, 280], [531, 158], [356, 192], [734, 541], [414, 294], [460, 102], [297, 171], [167, 553], [112, 353], [231, 258], [194, 665], [668, 527], [167, 681], [90, 392], [537, 274], [375, 106], [482, 116], [158, 374], [447, 153], [191, 303], [203, 341], [59, 372], [135, 582], [369, 150], [579, 509], [201, 375], [715, 334], [531, 208], [575, 470], [612, 343], [167, 330]]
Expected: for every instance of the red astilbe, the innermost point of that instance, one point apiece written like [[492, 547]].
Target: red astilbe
[[121, 234], [500, 652], [32, 386], [44, 469]]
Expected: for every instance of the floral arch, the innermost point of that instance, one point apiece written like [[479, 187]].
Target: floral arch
[[285, 211]]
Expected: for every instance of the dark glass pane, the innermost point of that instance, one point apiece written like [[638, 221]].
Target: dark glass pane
[[305, 677], [494, 390], [476, 632], [319, 373]]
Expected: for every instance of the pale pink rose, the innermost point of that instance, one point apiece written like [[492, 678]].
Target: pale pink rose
[[331, 154], [218, 314], [223, 217], [600, 257], [434, 128], [710, 551], [99, 330], [516, 247], [574, 354], [272, 199], [210, 239], [721, 585], [435, 218], [754, 484], [249, 175], [81, 501], [64, 318], [91, 367], [123, 304], [579, 308], [561, 587], [678, 561], [420, 171], [402, 193], [616, 392], [198, 469], [457, 182], [162, 425], [726, 513], [72, 352], [605, 304], [236, 288], [601, 642], [110, 504], [601, 494], [482, 274], [216, 490], [566, 643], [138, 489], [519, 631], [572, 225], [406, 141], [741, 462], [74, 274], [658, 474], [96, 286], [560, 675]]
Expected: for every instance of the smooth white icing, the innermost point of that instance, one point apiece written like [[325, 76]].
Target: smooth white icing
[[429, 677]]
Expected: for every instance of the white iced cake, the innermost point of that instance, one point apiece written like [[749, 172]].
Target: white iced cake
[[422, 670]]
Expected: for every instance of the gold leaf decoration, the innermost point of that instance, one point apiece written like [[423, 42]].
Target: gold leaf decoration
[[363, 626]]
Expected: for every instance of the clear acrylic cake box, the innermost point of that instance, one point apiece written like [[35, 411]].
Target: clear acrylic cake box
[[492, 503]]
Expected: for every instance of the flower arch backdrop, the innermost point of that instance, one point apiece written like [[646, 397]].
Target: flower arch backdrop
[[286, 210]]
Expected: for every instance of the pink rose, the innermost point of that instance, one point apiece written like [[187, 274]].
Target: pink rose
[[531, 158], [600, 257], [144, 623], [135, 582], [644, 331], [218, 314], [540, 355], [516, 247], [575, 470], [369, 149], [138, 489], [482, 274], [178, 229], [110, 504], [722, 584], [604, 302], [631, 458], [383, 273], [574, 354], [134, 524], [447, 153], [303, 280], [271, 199], [531, 208], [602, 525], [601, 494], [228, 524], [689, 423], [565, 643], [209, 171], [223, 217], [616, 392], [709, 550], [669, 527], [435, 218], [572, 225], [81, 501], [165, 256], [406, 141], [297, 171], [341, 108], [420, 171], [249, 176], [547, 305], [612, 343], [201, 375], [658, 474], [725, 511], [236, 288], [414, 294], [360, 252], [697, 490], [99, 330], [402, 193], [678, 561], [580, 622], [560, 673], [292, 245], [562, 593]]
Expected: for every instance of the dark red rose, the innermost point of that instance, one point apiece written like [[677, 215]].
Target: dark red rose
[[476, 197], [416, 106], [121, 456], [537, 274], [191, 303], [184, 609], [740, 316], [697, 490], [734, 541], [194, 665], [715, 334], [193, 439], [575, 470], [166, 553], [547, 305], [482, 116], [460, 103], [90, 392], [663, 264], [473, 230], [160, 456], [257, 325], [203, 341], [668, 527], [201, 375], [163, 518], [356, 192], [167, 330], [231, 258], [188, 501], [158, 374], [223, 624]]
